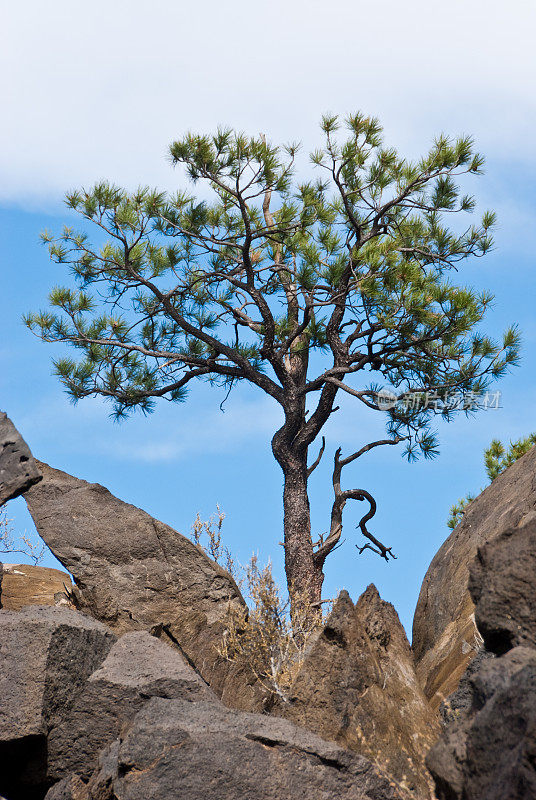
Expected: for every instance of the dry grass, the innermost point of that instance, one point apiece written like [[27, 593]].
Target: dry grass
[[22, 544], [262, 637]]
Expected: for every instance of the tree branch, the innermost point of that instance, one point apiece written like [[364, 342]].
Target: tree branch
[[315, 463]]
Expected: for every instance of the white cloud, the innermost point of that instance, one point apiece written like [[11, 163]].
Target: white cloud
[[98, 90]]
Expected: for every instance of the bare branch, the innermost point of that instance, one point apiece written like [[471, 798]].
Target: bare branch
[[327, 546], [315, 463]]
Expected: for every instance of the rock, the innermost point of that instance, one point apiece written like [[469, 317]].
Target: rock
[[489, 752], [459, 704], [137, 667], [70, 788], [503, 586], [445, 637], [29, 585], [357, 686], [132, 572], [46, 655], [173, 748], [18, 470]]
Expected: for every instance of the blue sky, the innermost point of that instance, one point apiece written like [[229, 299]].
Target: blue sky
[[97, 93]]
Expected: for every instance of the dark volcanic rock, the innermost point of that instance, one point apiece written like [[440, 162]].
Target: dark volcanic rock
[[29, 585], [137, 667], [488, 749], [174, 748], [70, 788], [18, 470], [489, 753], [46, 655], [503, 586], [445, 638], [357, 686], [460, 703], [132, 572]]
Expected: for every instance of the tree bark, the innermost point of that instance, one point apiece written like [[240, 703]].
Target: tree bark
[[304, 578]]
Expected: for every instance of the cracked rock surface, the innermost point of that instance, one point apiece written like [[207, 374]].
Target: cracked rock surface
[[445, 637], [203, 750], [357, 686], [133, 572], [488, 748], [46, 656]]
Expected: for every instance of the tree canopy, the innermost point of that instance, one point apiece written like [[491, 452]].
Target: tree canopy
[[305, 289]]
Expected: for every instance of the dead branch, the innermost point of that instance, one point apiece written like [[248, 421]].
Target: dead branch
[[376, 546], [325, 547], [315, 463]]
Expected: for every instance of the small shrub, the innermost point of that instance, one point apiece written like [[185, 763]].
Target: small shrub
[[261, 637], [22, 544], [497, 458]]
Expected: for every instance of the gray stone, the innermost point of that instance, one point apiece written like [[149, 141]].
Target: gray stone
[[69, 788], [132, 572], [357, 686], [503, 586], [489, 753], [46, 656], [174, 748], [445, 637], [137, 667], [460, 703], [18, 470]]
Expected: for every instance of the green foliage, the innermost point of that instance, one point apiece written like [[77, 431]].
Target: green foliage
[[249, 282], [497, 458], [458, 510]]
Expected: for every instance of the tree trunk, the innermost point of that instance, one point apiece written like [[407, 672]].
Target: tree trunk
[[304, 579]]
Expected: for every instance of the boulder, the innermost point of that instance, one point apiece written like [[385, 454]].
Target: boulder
[[46, 656], [445, 638], [29, 585], [357, 686], [132, 572], [503, 586], [489, 751], [70, 788], [18, 470], [138, 667], [459, 704], [173, 748]]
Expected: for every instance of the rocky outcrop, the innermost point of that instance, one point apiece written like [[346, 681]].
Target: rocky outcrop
[[357, 687], [137, 667], [18, 470], [70, 788], [445, 637], [29, 585], [459, 704], [85, 716], [132, 572], [503, 586], [193, 750], [488, 750], [46, 656]]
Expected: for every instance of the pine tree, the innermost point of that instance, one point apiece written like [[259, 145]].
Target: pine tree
[[496, 459], [354, 268]]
